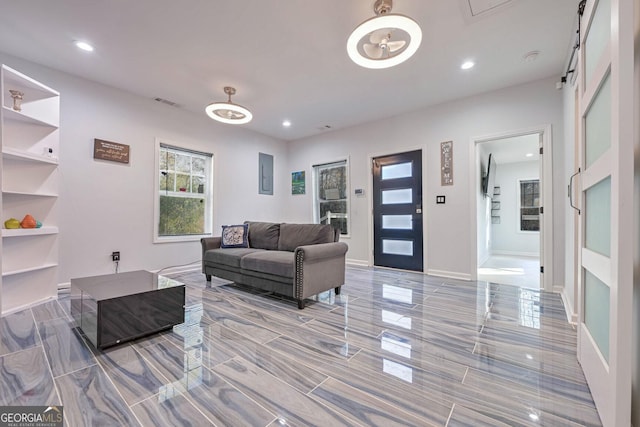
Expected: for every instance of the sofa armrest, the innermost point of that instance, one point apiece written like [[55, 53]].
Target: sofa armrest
[[318, 268], [209, 243]]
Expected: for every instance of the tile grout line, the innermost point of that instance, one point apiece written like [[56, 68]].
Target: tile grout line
[[450, 414], [46, 357]]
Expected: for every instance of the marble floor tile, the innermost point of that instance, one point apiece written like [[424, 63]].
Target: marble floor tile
[[394, 348], [177, 411], [18, 332], [225, 405], [26, 380], [64, 346], [362, 406], [279, 398], [90, 399], [134, 377], [48, 311]]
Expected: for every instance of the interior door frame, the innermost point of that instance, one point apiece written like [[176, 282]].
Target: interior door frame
[[370, 158], [546, 163]]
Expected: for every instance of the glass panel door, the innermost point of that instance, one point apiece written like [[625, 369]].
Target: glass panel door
[[397, 211], [606, 266]]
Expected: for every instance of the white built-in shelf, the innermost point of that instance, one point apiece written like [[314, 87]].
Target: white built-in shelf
[[30, 269], [25, 232], [11, 114], [16, 80], [26, 156], [27, 193]]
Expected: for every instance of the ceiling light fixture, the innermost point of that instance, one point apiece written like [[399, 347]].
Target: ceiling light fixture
[[228, 112], [385, 40], [467, 65], [286, 123], [529, 154], [83, 45]]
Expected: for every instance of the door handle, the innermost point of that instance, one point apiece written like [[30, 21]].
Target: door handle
[[571, 191]]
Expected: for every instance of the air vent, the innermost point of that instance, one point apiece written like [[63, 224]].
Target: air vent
[[166, 101]]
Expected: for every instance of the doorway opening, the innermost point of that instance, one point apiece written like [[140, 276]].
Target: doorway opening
[[510, 209]]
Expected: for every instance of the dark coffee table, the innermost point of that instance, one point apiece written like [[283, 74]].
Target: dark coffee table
[[115, 308]]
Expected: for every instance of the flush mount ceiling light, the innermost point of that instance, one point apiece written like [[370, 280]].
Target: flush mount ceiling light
[[385, 40], [228, 112]]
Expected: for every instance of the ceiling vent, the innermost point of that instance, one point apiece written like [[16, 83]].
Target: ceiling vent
[[167, 102]]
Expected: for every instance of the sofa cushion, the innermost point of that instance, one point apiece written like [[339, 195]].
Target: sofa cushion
[[294, 235], [279, 263], [228, 256], [234, 236], [263, 235]]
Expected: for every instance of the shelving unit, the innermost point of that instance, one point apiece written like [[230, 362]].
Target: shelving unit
[[495, 206], [30, 141]]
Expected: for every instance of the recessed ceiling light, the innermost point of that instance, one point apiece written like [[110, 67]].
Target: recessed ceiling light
[[467, 65], [534, 417], [529, 154], [84, 46], [286, 123]]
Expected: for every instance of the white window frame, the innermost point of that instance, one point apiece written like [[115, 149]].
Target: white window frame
[[519, 182], [316, 201], [208, 194]]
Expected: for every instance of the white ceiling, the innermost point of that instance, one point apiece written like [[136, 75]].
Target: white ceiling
[[513, 149], [287, 58]]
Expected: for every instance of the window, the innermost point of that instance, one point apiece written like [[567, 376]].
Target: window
[[184, 208], [331, 204], [529, 205]]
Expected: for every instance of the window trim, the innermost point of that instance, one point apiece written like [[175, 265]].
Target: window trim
[[316, 214], [519, 201], [159, 143]]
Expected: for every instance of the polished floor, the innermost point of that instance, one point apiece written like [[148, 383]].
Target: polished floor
[[395, 348], [511, 270]]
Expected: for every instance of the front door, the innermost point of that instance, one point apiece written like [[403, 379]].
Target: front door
[[606, 273], [397, 211]]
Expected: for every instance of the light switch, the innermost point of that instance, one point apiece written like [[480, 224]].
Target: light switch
[[440, 200]]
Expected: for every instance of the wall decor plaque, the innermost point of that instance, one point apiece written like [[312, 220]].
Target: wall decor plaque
[[446, 163], [111, 151]]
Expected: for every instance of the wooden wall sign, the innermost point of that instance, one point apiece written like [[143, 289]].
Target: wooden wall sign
[[111, 151], [446, 163]]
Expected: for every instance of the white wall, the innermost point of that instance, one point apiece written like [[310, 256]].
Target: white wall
[[447, 227], [105, 206], [507, 239]]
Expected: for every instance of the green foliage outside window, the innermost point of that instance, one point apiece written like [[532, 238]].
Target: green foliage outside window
[[180, 216]]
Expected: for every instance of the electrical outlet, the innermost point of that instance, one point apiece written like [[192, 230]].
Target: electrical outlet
[[115, 256]]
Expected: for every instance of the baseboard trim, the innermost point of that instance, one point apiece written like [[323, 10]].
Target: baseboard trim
[[514, 253], [358, 262], [572, 317], [449, 274]]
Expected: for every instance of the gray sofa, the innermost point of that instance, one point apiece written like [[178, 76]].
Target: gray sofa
[[295, 260]]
